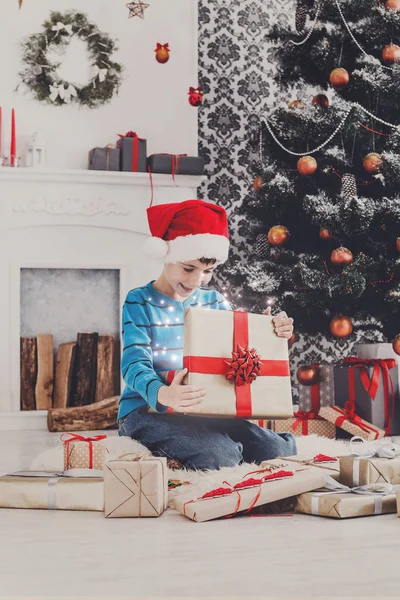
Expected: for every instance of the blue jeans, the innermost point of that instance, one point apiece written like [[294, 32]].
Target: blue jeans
[[203, 442]]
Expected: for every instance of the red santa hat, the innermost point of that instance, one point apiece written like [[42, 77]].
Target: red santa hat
[[187, 230]]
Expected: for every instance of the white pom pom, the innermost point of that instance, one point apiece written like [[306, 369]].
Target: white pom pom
[[155, 247]]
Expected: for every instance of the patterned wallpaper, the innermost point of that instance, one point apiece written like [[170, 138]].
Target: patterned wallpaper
[[236, 75]]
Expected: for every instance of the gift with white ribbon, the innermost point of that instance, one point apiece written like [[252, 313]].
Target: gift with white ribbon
[[368, 463]]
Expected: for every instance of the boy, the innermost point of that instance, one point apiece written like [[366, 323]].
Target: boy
[[191, 239]]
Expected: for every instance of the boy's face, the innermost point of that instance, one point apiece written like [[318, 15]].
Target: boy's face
[[185, 277]]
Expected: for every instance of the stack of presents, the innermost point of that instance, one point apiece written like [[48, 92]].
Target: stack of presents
[[246, 370], [129, 154]]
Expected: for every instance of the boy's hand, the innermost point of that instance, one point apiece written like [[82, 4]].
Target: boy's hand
[[283, 324], [179, 397]]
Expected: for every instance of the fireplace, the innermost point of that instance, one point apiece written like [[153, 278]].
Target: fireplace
[[60, 222]]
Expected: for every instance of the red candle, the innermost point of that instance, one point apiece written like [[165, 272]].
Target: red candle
[[13, 149]]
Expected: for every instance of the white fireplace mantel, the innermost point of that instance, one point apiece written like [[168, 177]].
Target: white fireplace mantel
[[70, 219]]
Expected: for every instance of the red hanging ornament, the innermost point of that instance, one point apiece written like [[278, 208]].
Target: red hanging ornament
[[341, 256], [307, 375], [391, 53], [307, 165], [372, 162], [258, 182], [162, 53], [321, 100], [339, 77], [341, 327], [398, 244], [325, 235], [278, 235], [396, 344], [195, 96], [291, 340], [393, 5], [296, 104]]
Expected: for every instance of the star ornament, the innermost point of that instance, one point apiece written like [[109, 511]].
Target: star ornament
[[136, 9]]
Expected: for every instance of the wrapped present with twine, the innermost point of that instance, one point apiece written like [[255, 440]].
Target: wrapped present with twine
[[82, 452], [306, 423], [339, 501], [347, 419], [135, 486], [370, 463]]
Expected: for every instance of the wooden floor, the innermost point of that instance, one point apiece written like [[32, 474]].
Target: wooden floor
[[57, 554]]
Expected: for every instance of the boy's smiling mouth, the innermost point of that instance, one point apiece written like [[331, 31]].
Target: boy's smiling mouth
[[186, 288]]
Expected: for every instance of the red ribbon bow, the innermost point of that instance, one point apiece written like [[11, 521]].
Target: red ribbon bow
[[303, 417], [244, 367], [162, 47], [80, 438], [371, 385]]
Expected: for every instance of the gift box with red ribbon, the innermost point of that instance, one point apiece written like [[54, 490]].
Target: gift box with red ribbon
[[243, 365], [83, 452], [371, 385], [133, 152], [306, 423], [320, 393], [275, 480], [104, 159], [176, 164], [347, 419]]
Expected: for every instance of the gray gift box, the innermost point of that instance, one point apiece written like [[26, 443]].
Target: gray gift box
[[325, 386], [183, 165], [104, 159], [128, 160], [368, 409]]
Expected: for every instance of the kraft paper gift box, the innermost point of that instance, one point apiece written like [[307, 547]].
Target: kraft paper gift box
[[136, 487], [306, 423], [329, 464], [370, 464], [340, 502], [104, 159], [287, 479], [383, 350], [349, 421], [133, 156], [82, 452], [176, 164], [240, 382], [52, 491], [321, 393], [373, 385], [398, 502]]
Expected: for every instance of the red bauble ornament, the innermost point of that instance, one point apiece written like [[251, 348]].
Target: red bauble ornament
[[296, 104], [398, 244], [391, 53], [278, 235], [162, 53], [195, 96], [339, 77], [258, 182], [291, 340], [396, 344], [341, 256], [341, 327], [307, 165], [372, 162], [307, 375], [393, 5], [325, 235], [321, 100]]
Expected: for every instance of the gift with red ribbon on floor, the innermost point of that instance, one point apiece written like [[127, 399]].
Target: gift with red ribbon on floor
[[346, 418], [306, 423], [275, 480], [240, 361], [83, 452], [372, 386], [133, 153], [320, 393]]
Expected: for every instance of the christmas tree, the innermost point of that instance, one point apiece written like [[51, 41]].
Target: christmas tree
[[322, 224]]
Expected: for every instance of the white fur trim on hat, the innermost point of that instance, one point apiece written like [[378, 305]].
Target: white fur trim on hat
[[193, 247], [155, 247]]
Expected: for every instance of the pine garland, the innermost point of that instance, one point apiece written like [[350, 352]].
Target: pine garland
[[41, 77]]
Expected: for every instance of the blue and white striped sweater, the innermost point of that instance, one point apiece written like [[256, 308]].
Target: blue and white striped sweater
[[152, 336]]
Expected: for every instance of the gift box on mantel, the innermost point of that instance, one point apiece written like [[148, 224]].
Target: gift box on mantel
[[51, 491], [176, 164], [342, 502], [133, 155], [104, 159], [135, 486], [244, 365], [306, 423], [83, 452], [372, 384], [277, 479]]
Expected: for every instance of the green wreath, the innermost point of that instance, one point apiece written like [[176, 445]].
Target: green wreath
[[41, 75]]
